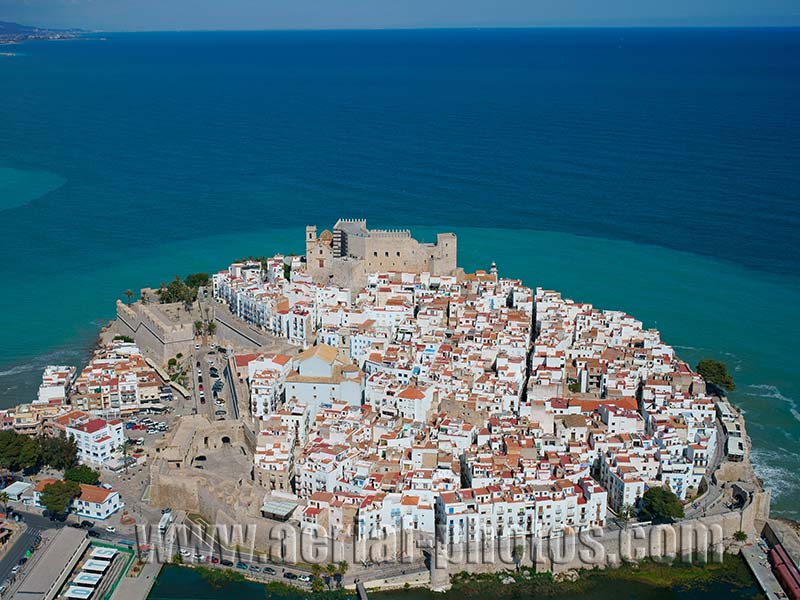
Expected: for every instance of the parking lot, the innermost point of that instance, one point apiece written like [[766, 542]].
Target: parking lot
[[209, 386]]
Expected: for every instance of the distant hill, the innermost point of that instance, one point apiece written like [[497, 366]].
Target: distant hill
[[15, 32]]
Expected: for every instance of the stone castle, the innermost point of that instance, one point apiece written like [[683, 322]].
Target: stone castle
[[345, 256]]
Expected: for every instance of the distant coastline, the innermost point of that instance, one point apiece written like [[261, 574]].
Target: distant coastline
[[15, 33]]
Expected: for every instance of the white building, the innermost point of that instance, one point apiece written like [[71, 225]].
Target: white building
[[320, 379], [97, 439], [93, 502]]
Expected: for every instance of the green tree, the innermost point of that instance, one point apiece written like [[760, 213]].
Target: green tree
[[660, 504], [716, 373], [129, 295], [57, 496], [4, 500], [517, 554], [625, 514], [341, 569], [740, 536], [59, 451], [196, 280], [18, 452], [211, 328], [125, 448], [82, 474], [287, 271], [574, 387], [198, 327], [30, 454], [177, 291], [330, 569], [317, 585]]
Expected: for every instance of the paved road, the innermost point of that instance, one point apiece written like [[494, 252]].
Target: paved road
[[43, 524], [233, 402], [21, 543], [711, 499]]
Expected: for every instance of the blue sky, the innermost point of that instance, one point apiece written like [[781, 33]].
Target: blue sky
[[127, 15]]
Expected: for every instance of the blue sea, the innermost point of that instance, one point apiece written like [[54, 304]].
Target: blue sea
[[651, 170]]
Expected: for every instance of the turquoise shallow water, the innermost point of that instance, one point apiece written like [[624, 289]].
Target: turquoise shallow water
[[702, 306], [18, 186], [647, 170]]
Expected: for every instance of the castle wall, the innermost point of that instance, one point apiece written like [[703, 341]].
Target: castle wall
[[346, 257], [157, 340]]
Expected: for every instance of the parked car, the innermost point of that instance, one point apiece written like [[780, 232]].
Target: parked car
[[111, 529], [268, 570], [220, 412], [87, 524], [255, 568], [305, 578], [214, 560], [289, 575], [242, 566], [226, 563]]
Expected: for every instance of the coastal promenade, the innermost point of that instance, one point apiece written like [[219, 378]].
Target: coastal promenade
[[138, 588], [756, 558]]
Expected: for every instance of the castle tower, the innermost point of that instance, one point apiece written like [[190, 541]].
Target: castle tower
[[311, 238], [493, 269]]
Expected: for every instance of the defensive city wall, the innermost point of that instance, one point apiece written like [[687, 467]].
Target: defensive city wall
[[154, 334]]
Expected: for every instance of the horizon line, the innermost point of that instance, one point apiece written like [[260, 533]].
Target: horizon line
[[429, 28]]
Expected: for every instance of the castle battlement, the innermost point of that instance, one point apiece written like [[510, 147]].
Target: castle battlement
[[347, 254], [404, 233]]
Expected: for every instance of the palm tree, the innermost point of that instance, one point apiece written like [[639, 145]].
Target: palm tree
[[331, 569], [625, 515], [198, 327], [129, 295], [316, 570], [4, 499], [125, 447], [342, 565], [211, 327]]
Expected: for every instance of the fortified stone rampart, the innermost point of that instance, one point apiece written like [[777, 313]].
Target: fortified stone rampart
[[158, 339]]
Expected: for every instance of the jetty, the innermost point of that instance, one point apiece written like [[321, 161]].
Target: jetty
[[362, 591]]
